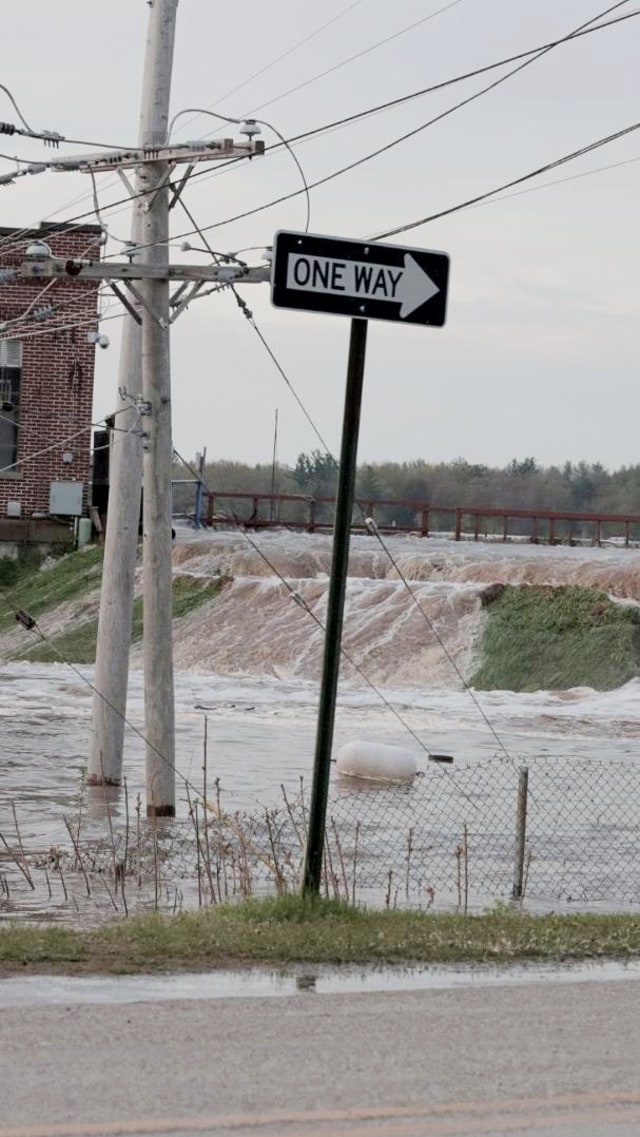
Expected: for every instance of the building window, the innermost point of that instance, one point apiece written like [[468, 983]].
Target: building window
[[10, 372]]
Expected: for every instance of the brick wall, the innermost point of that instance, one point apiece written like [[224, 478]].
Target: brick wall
[[56, 391]]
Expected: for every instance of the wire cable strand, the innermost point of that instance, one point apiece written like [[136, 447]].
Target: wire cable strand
[[9, 242], [373, 529], [15, 107], [301, 602], [248, 314], [261, 122], [56, 445], [443, 84], [359, 55], [514, 182], [419, 129], [366, 520], [285, 54]]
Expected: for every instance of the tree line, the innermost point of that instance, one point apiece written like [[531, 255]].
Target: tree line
[[580, 487]]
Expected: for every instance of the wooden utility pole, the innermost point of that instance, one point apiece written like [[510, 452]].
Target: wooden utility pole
[[116, 595], [125, 469], [142, 444], [158, 447]]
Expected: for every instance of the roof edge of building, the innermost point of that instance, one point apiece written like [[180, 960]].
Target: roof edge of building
[[48, 227]]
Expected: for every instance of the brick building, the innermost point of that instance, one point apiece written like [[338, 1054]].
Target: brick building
[[46, 385]]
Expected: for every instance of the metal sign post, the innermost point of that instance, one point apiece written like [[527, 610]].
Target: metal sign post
[[363, 281], [335, 608]]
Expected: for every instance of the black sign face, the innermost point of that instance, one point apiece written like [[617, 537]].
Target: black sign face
[[359, 279]]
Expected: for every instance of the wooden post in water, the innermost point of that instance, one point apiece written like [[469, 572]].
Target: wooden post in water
[[521, 834]]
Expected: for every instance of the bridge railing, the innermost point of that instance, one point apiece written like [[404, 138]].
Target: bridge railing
[[463, 522]]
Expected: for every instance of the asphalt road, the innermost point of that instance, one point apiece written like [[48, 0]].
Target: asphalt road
[[553, 1059]]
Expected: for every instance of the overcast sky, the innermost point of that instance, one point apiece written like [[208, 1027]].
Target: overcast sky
[[539, 355]]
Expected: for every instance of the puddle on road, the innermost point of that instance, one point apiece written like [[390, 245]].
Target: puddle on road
[[52, 990]]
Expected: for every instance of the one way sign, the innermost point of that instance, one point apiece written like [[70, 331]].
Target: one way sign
[[359, 279]]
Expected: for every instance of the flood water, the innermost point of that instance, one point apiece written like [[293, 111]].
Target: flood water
[[261, 726], [258, 983]]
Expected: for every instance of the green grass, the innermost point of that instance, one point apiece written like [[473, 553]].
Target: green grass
[[545, 638], [78, 644], [290, 929], [40, 590]]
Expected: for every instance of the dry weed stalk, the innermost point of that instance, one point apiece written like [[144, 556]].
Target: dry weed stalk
[[341, 859], [408, 860], [62, 882], [156, 878], [196, 823], [355, 863], [202, 855], [221, 858], [281, 884], [330, 876], [299, 836], [387, 899], [205, 791], [76, 848], [125, 859], [462, 873], [525, 876], [24, 867], [138, 848]]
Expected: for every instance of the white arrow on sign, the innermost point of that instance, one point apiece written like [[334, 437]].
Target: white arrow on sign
[[409, 286]]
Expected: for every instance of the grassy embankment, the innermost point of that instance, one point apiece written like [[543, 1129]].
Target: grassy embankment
[[547, 638], [289, 930], [75, 578]]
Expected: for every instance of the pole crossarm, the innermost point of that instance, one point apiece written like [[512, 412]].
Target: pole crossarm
[[206, 151], [125, 270]]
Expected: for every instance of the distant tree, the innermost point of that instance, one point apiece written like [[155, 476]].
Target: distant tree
[[369, 484], [523, 469], [316, 473]]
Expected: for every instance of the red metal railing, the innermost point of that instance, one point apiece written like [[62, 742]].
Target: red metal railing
[[300, 511]]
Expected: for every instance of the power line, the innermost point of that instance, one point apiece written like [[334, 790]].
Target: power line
[[371, 526], [412, 95], [295, 596], [27, 334], [508, 185], [15, 106], [409, 134], [358, 55], [247, 124], [469, 203], [248, 314], [54, 446], [7, 243], [32, 625], [558, 182], [284, 55]]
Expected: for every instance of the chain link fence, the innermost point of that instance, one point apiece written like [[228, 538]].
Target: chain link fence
[[460, 837]]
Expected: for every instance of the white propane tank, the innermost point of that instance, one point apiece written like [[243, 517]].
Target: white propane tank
[[376, 762]]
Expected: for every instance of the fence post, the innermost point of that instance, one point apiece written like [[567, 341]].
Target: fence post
[[424, 523], [521, 833], [458, 532]]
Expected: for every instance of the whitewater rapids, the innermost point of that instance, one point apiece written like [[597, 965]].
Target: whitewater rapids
[[258, 627]]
